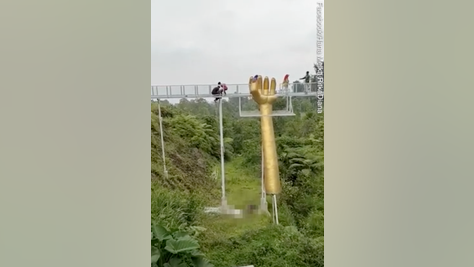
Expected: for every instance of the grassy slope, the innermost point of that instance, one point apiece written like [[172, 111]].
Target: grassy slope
[[191, 173], [222, 242], [242, 188], [189, 168]]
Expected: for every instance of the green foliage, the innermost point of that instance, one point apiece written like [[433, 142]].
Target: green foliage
[[196, 132], [314, 223], [175, 209], [175, 249], [191, 151], [272, 246], [191, 134]]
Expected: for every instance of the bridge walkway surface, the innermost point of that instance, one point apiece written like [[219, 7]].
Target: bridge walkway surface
[[234, 90]]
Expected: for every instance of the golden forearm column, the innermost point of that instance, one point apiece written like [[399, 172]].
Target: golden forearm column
[[263, 92]]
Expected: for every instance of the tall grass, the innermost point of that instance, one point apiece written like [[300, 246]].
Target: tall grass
[[175, 209]]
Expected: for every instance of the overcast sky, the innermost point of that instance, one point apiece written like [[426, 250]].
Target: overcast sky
[[207, 41]]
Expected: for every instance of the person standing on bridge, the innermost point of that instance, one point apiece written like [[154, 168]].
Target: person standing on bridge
[[286, 82], [306, 79]]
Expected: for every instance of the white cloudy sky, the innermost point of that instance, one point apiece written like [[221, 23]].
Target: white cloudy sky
[[207, 41]]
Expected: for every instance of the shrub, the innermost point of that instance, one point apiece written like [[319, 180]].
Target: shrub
[[175, 249]]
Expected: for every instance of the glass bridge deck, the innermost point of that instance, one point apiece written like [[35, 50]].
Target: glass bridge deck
[[234, 90]]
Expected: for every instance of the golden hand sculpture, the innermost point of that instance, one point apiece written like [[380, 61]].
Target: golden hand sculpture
[[263, 92]]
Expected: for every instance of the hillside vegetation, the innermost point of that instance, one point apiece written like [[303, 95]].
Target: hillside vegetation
[[183, 235]]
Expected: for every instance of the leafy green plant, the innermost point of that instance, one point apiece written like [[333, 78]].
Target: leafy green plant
[[175, 249]]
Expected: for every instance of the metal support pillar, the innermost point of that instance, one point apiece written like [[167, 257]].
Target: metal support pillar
[[221, 127], [162, 140], [274, 209], [263, 200], [240, 105]]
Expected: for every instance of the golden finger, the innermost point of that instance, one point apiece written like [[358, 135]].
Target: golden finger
[[255, 88], [251, 85], [254, 92], [265, 86], [259, 83], [273, 86]]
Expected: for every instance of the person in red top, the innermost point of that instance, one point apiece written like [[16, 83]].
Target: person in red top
[[285, 83], [224, 88]]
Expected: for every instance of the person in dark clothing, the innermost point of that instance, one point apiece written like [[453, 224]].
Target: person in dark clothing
[[306, 79], [216, 92]]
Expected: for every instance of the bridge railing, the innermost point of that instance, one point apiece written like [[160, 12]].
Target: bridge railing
[[205, 90]]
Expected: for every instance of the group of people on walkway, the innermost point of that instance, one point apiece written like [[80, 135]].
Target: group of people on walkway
[[286, 80], [221, 88]]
